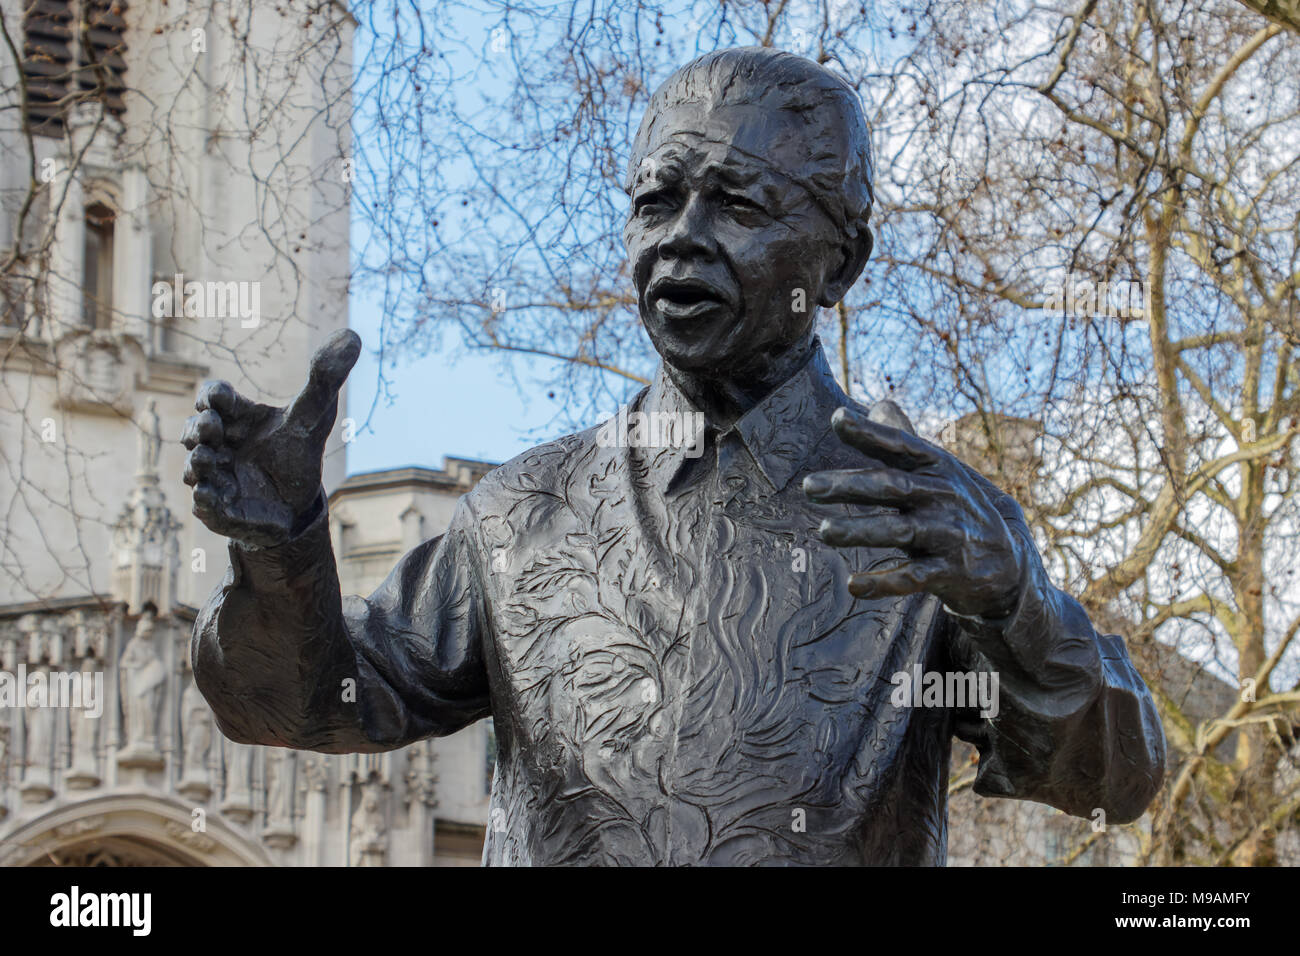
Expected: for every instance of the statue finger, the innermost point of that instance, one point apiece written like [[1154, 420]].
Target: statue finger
[[205, 428], [910, 577], [905, 532], [890, 445], [208, 503], [205, 463], [221, 397], [888, 486], [199, 464]]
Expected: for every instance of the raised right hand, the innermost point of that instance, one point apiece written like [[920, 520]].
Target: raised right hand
[[256, 469]]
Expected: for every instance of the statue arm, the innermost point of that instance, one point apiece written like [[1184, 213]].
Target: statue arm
[[284, 660], [1076, 726]]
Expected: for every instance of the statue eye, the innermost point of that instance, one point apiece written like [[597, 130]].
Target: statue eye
[[739, 203], [649, 203]]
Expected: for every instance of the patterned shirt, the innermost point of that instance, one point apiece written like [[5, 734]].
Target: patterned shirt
[[675, 668]]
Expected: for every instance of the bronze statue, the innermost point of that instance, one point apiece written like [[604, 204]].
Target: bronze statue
[[689, 637]]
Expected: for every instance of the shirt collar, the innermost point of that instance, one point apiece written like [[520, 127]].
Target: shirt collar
[[780, 432]]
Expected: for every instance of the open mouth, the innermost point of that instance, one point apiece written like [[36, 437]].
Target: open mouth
[[685, 298]]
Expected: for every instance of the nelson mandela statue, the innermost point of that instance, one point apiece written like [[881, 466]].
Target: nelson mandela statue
[[686, 622]]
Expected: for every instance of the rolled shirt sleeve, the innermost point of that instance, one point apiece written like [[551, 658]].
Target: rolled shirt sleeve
[[285, 660]]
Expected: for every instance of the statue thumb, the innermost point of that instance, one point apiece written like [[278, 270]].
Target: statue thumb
[[329, 370], [885, 412]]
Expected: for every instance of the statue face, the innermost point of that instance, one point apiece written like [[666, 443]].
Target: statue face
[[730, 255]]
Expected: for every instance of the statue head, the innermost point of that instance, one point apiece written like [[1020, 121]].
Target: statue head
[[751, 188], [145, 626]]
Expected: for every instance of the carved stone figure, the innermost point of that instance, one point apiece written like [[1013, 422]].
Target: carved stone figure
[[420, 778], [196, 733], [238, 802], [37, 783], [279, 799], [4, 767], [146, 554], [369, 833], [689, 622], [142, 679], [280, 831], [150, 441], [315, 775], [83, 733]]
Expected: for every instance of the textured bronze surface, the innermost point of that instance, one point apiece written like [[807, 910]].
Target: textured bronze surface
[[688, 623]]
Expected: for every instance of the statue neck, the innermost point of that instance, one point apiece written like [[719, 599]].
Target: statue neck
[[724, 395]]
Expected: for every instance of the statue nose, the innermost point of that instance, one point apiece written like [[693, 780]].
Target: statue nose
[[690, 234]]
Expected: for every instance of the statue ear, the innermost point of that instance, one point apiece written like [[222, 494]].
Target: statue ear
[[855, 253]]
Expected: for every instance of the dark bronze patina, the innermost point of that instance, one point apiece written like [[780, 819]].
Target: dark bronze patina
[[688, 640]]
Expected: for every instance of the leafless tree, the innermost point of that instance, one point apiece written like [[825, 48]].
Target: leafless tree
[[1034, 158], [1028, 154]]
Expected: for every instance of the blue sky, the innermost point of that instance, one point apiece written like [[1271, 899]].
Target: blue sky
[[446, 403], [462, 406]]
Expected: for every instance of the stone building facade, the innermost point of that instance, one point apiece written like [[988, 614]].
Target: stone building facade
[[129, 769], [163, 177]]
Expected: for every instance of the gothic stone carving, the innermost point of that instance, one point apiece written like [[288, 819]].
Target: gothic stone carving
[[142, 677]]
